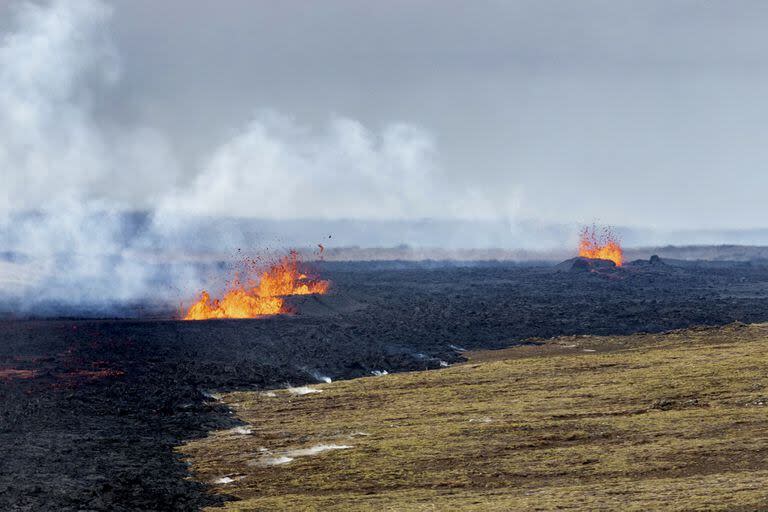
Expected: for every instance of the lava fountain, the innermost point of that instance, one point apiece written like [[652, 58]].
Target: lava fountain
[[600, 244], [259, 297]]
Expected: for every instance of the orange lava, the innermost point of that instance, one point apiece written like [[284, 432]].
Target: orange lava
[[259, 298], [602, 244], [14, 373]]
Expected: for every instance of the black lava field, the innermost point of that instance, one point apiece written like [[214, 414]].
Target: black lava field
[[92, 408]]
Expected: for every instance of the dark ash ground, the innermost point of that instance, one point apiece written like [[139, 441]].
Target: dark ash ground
[[92, 408]]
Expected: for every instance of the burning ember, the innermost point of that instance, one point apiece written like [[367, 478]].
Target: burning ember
[[259, 297], [602, 244]]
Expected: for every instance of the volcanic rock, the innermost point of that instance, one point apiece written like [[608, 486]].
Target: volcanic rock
[[315, 305], [653, 261], [110, 399], [580, 264]]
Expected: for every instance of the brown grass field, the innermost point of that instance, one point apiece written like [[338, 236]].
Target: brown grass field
[[674, 421]]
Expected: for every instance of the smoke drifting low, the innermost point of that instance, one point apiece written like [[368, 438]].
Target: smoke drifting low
[[86, 201]]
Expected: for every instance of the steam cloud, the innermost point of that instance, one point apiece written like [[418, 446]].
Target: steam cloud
[[54, 151], [67, 176], [59, 60], [277, 168], [71, 178]]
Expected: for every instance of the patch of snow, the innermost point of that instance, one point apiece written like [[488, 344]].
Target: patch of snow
[[480, 420], [303, 390], [457, 348], [444, 364], [228, 479], [379, 373], [289, 455], [276, 461], [242, 431], [270, 394], [314, 450], [588, 350], [322, 378], [212, 396]]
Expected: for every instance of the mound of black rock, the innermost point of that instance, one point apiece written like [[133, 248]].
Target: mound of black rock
[[581, 264]]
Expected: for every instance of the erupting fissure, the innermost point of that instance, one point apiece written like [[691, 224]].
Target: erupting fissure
[[259, 297], [600, 244]]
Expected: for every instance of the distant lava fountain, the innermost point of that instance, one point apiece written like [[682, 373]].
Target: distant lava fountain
[[259, 297], [600, 244]]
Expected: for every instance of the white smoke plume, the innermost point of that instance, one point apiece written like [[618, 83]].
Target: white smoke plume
[[66, 176], [59, 57], [54, 150], [278, 168], [71, 176]]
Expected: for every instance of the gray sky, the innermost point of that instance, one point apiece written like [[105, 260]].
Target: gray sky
[[650, 113]]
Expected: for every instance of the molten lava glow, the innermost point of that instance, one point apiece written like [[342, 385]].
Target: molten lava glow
[[602, 245], [264, 298]]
